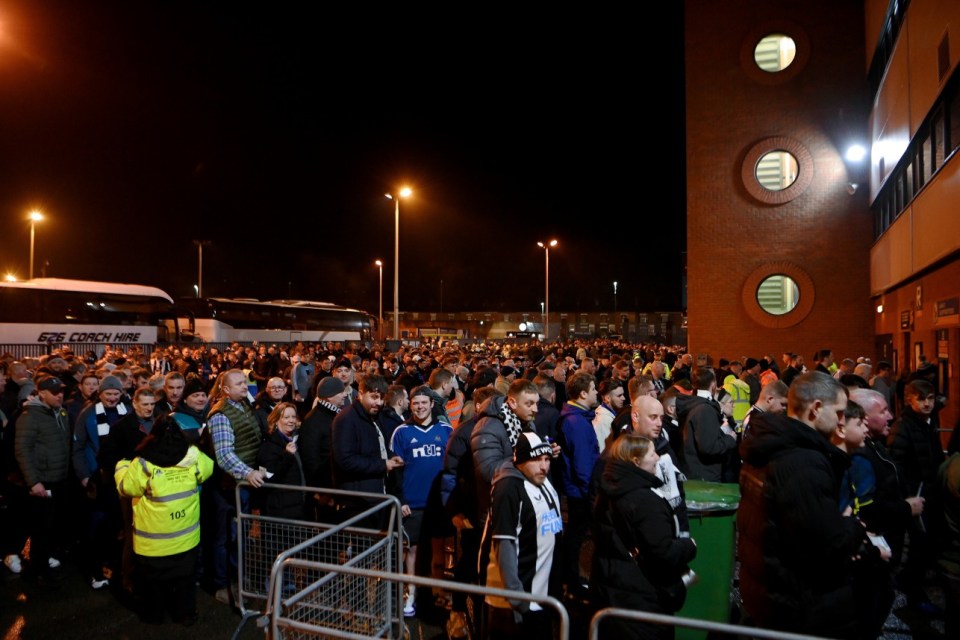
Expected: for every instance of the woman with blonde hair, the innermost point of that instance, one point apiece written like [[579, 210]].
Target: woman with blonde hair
[[280, 457], [640, 561]]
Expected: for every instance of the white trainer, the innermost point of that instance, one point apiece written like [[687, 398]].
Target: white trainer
[[12, 562], [99, 584]]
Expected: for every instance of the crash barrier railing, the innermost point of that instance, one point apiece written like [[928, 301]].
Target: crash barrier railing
[[344, 601], [262, 541], [714, 629]]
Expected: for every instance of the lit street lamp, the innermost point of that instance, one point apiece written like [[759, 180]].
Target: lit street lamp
[[403, 193], [380, 332], [614, 299], [546, 296], [35, 217]]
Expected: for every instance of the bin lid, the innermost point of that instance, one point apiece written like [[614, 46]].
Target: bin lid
[[711, 496]]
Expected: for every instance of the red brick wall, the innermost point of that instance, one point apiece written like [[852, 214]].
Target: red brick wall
[[823, 231]]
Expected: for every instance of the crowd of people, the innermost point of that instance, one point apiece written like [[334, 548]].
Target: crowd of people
[[126, 463]]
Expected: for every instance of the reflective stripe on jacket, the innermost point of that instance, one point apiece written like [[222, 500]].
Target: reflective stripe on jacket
[[166, 505]]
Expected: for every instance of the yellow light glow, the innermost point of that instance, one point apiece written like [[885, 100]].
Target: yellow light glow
[[405, 192], [36, 216], [10, 277]]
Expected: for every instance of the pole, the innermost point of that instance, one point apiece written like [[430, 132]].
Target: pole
[[33, 224], [546, 296], [380, 325], [396, 269], [200, 244]]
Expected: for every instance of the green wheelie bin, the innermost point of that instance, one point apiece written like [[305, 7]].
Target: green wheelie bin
[[712, 507]]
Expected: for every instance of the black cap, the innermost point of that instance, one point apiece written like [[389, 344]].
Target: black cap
[[50, 383]]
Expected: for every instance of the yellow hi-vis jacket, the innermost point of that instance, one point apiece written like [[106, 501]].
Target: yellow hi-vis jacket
[[740, 391], [166, 502]]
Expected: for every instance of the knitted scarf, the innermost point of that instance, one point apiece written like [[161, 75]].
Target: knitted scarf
[[325, 403], [512, 424], [103, 427]]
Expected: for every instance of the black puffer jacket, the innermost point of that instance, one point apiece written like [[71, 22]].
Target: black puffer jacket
[[627, 507], [706, 448], [285, 468], [887, 513], [43, 443], [795, 548], [916, 448]]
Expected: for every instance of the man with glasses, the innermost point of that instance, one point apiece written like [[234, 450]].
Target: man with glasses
[[42, 448], [272, 395]]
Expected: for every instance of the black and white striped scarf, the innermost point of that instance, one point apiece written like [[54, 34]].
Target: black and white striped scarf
[[512, 424], [103, 427]]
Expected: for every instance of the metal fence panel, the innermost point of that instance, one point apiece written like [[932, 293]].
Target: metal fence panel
[[314, 613], [714, 629], [264, 542]]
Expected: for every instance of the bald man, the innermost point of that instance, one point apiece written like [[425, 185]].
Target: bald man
[[646, 419]]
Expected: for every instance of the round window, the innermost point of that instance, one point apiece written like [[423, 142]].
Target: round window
[[775, 52], [776, 170], [778, 294]]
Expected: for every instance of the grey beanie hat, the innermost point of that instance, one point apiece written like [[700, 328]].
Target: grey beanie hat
[[111, 382]]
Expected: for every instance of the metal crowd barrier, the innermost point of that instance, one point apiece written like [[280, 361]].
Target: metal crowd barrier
[[714, 629], [343, 602], [263, 542], [38, 350]]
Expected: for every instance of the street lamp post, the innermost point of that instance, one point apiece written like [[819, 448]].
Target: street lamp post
[[546, 296], [35, 217], [614, 299], [379, 264], [403, 193], [200, 244]]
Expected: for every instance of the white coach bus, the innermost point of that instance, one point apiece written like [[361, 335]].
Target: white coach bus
[[57, 311], [225, 320]]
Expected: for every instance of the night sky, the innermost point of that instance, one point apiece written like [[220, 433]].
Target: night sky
[[273, 131]]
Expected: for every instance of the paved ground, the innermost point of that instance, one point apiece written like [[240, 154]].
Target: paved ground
[[73, 611]]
